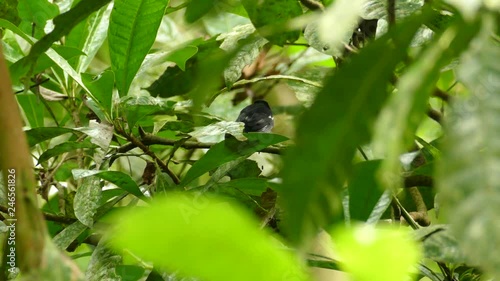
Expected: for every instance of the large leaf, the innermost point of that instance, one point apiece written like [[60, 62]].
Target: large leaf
[[338, 122], [467, 176], [63, 148], [198, 8], [33, 109], [132, 31], [181, 79], [120, 179], [88, 36], [136, 108], [37, 135], [439, 245], [276, 14], [245, 55], [37, 13], [87, 199], [64, 238], [244, 252], [367, 251], [405, 110], [101, 88], [364, 191], [103, 263], [228, 150], [63, 25]]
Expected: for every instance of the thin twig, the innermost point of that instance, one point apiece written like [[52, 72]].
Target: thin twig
[[138, 143], [391, 12], [34, 85]]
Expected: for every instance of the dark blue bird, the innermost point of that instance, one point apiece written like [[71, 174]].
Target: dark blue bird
[[257, 117]]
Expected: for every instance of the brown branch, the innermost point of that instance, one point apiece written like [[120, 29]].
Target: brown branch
[[48, 216], [418, 180], [441, 94], [435, 115], [313, 5], [149, 139], [144, 147], [391, 12]]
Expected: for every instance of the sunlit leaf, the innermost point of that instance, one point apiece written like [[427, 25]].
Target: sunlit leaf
[[120, 179], [274, 13], [87, 199], [228, 150], [367, 251], [88, 36], [244, 252], [103, 263], [37, 135], [132, 31], [37, 12], [33, 109]]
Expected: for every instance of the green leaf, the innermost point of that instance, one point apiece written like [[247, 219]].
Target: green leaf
[[398, 121], [246, 54], [367, 251], [63, 25], [250, 186], [197, 9], [438, 244], [203, 134], [306, 93], [364, 191], [244, 252], [275, 14], [228, 150], [37, 135], [64, 238], [181, 56], [329, 133], [136, 108], [163, 182], [132, 31], [33, 109], [8, 11], [37, 12], [130, 272], [63, 148], [120, 179], [101, 87], [380, 208], [467, 175], [246, 169], [88, 36], [103, 263], [174, 81], [87, 199]]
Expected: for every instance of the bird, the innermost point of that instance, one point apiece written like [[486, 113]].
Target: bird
[[257, 117]]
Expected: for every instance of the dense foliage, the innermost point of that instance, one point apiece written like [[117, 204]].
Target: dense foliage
[[383, 162]]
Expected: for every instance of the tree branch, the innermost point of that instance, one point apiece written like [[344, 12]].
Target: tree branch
[[418, 180], [149, 139], [143, 146]]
